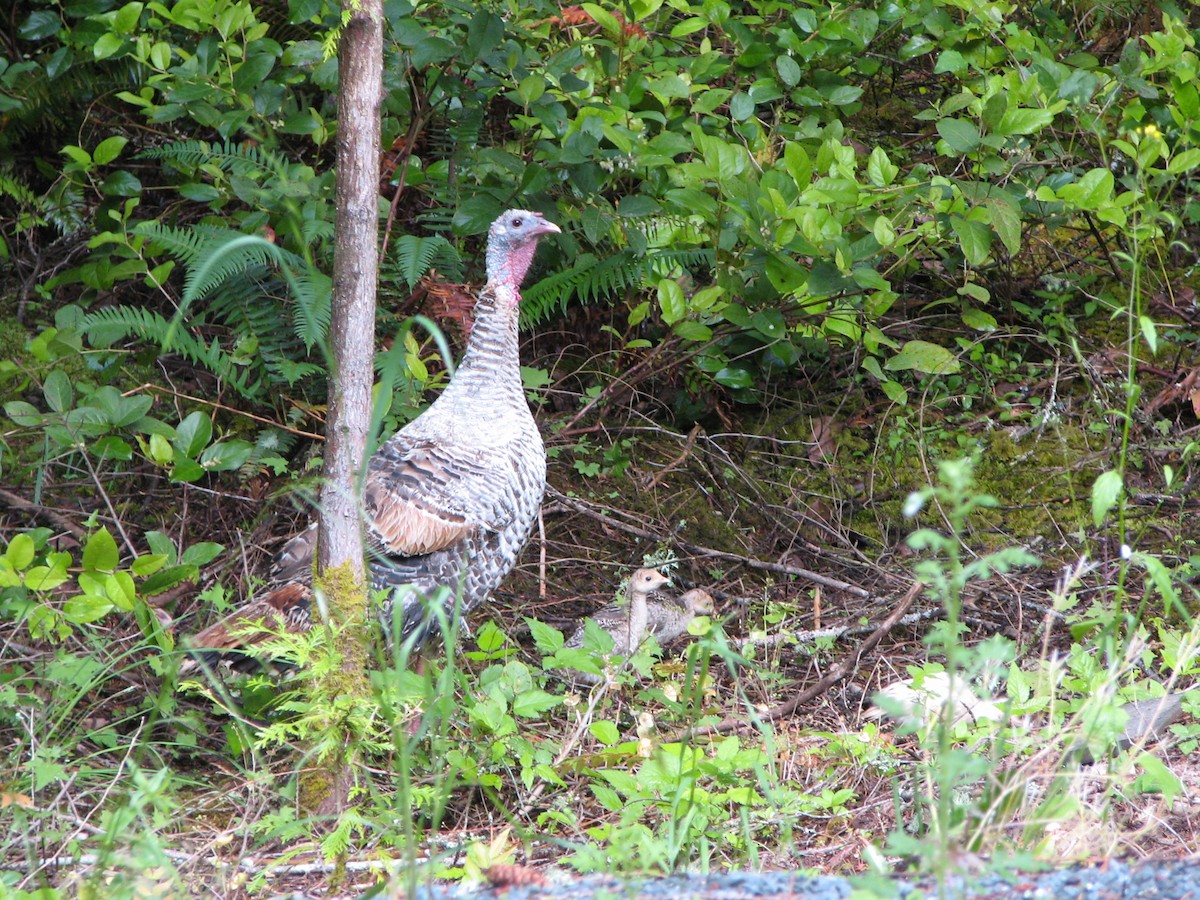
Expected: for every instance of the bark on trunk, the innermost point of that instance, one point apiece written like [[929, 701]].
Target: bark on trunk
[[325, 791]]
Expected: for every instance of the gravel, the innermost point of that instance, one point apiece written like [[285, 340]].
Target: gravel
[[1115, 880]]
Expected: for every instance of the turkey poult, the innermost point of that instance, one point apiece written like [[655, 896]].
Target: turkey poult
[[625, 623], [668, 617], [450, 499]]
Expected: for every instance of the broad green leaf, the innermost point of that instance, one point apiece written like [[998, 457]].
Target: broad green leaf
[[1105, 493], [741, 106], [922, 356], [109, 149], [962, 136], [884, 231], [1184, 162], [100, 554], [1024, 121], [880, 169], [58, 391], [225, 456], [604, 19], [789, 70], [1006, 222], [532, 703], [86, 608], [38, 25], [1157, 778], [160, 55], [47, 578], [975, 238], [978, 319], [8, 576], [895, 392], [671, 301], [148, 564], [106, 45], [20, 551], [192, 435], [201, 553], [733, 377], [120, 589], [546, 638], [159, 450], [127, 17], [605, 732], [1090, 192], [692, 331]]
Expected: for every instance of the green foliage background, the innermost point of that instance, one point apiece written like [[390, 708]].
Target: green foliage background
[[765, 188]]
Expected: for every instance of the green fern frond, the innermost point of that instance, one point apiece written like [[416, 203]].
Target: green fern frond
[[234, 158], [312, 293], [106, 326], [415, 256], [592, 279]]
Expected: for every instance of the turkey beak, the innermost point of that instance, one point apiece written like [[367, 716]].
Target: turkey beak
[[545, 227]]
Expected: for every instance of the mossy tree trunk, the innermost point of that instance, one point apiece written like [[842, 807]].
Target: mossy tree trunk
[[325, 788]]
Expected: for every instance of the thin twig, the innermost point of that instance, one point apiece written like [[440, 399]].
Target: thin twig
[[708, 552], [677, 461], [230, 409], [56, 519]]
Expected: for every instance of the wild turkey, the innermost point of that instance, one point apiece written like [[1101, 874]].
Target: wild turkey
[[667, 616], [450, 499], [626, 623]]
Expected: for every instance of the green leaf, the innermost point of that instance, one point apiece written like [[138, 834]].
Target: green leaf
[[741, 106], [692, 331], [884, 231], [120, 589], [86, 608], [1105, 493], [58, 391], [1184, 162], [1006, 222], [1157, 778], [978, 319], [127, 17], [225, 456], [1149, 333], [789, 70], [922, 356], [975, 238], [100, 554], [546, 638], [671, 301], [148, 564], [106, 45], [532, 703], [1024, 121], [38, 25], [880, 169], [1093, 190], [20, 551], [962, 136], [895, 392], [201, 553], [605, 732], [191, 437], [732, 377]]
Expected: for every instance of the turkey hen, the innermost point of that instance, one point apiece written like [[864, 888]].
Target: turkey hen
[[449, 500], [625, 623]]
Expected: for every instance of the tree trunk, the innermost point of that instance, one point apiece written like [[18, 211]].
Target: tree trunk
[[324, 789]]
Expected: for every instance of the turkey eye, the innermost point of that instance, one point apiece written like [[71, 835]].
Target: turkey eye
[[517, 222]]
